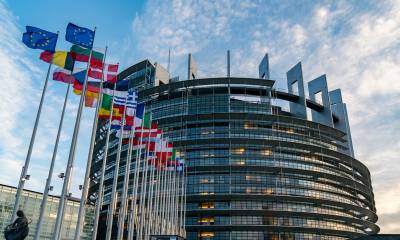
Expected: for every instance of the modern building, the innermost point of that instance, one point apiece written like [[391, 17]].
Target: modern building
[[254, 169], [30, 204]]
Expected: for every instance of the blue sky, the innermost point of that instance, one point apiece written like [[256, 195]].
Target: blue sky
[[356, 43]]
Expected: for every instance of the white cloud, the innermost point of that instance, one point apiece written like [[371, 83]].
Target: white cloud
[[15, 74], [22, 81]]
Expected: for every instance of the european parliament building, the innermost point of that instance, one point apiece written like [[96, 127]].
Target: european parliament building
[[256, 169]]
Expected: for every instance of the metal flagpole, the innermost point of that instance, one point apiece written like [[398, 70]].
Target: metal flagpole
[[160, 220], [150, 205], [149, 202], [50, 174], [24, 171], [85, 189], [184, 202], [71, 157], [143, 190], [132, 217], [157, 197], [171, 200], [176, 200], [136, 182], [123, 206], [169, 203], [100, 194], [116, 171], [183, 190], [176, 179], [154, 193], [163, 195]]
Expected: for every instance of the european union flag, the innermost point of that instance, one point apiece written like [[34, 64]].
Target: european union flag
[[80, 36], [39, 39]]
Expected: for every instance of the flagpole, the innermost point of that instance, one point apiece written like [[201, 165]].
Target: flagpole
[[123, 206], [143, 192], [157, 197], [99, 202], [168, 209], [164, 194], [24, 171], [136, 182], [50, 174], [85, 189], [115, 180], [183, 190], [184, 202], [150, 201], [71, 157], [174, 213]]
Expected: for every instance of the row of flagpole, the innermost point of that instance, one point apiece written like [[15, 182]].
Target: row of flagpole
[[156, 204]]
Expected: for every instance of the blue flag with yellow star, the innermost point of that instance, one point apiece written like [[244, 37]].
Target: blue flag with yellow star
[[39, 39], [79, 35]]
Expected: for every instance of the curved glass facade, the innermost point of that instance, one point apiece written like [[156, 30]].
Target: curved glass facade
[[254, 171], [254, 174]]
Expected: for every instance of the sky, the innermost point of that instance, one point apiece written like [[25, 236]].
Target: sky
[[355, 43]]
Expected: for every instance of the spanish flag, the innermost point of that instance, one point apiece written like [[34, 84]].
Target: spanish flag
[[60, 58]]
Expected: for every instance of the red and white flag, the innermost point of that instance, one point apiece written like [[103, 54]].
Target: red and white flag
[[110, 72]]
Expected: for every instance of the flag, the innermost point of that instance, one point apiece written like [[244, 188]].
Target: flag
[[181, 164], [147, 120], [37, 38], [79, 35], [105, 114], [147, 132], [122, 85], [63, 75], [90, 101], [91, 87], [67, 76], [110, 72], [106, 102], [79, 75], [92, 91], [116, 124], [60, 58], [138, 118], [127, 105], [81, 54]]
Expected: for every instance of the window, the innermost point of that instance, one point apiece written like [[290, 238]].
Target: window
[[206, 234], [206, 205]]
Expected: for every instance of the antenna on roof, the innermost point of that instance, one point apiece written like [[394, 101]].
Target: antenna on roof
[[169, 59], [228, 60]]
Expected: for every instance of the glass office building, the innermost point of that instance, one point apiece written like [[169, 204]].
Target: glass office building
[[256, 170], [30, 204]]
